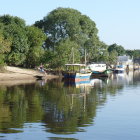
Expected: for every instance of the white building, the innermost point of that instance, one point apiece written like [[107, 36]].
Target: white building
[[125, 61]]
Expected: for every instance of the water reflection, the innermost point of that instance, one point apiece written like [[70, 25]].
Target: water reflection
[[59, 138], [61, 106], [67, 109]]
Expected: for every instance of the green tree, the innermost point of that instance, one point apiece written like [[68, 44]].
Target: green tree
[[67, 23], [4, 48], [133, 53], [36, 38], [15, 30], [129, 53], [118, 48], [96, 50], [136, 53], [112, 59], [64, 53]]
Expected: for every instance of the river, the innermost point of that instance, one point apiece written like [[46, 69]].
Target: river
[[100, 109]]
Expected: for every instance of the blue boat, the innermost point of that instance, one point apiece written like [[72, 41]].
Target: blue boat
[[77, 72], [119, 69]]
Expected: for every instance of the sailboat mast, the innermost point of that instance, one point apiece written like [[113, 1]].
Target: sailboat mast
[[73, 55], [85, 58]]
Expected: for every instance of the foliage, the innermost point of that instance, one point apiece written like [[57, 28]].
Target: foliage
[[35, 40], [10, 20], [4, 45], [136, 54], [96, 50], [113, 55], [129, 53], [25, 42], [64, 53], [4, 48], [14, 30], [133, 53], [118, 48], [66, 23], [63, 32]]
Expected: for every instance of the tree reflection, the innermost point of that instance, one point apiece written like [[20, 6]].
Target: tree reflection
[[18, 106], [66, 111], [63, 108]]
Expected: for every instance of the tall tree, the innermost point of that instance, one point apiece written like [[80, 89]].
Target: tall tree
[[4, 46], [112, 59], [36, 38], [67, 23], [14, 29], [65, 52], [118, 48], [136, 53], [129, 53]]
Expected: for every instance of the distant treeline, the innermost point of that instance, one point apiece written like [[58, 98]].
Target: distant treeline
[[53, 41]]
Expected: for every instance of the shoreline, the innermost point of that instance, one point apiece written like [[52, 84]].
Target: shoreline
[[13, 75]]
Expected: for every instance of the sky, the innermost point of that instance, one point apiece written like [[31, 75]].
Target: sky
[[118, 21]]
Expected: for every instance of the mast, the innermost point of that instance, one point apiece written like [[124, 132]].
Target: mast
[[85, 58], [72, 55]]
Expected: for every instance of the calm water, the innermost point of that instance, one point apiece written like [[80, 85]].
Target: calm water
[[101, 109]]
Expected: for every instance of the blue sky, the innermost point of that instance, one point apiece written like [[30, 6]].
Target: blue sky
[[118, 21]]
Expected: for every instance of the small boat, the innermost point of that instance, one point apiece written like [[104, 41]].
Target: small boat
[[76, 72], [100, 70], [98, 67], [39, 77], [119, 69], [105, 73]]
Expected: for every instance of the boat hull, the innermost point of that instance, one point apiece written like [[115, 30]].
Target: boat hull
[[119, 69], [77, 76], [105, 73]]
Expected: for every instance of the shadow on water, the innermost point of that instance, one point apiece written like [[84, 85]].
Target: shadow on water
[[61, 106]]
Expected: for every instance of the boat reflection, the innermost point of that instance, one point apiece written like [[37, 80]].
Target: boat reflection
[[86, 83], [84, 86], [122, 78]]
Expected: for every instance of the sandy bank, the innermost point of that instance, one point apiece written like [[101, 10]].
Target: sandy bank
[[15, 73]]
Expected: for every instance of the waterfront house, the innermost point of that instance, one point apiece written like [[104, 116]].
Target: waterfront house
[[126, 62]]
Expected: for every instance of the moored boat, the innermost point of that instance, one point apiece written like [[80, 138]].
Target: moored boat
[[119, 69], [100, 67], [76, 72], [104, 73]]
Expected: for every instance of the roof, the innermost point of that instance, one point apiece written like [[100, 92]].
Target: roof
[[123, 58]]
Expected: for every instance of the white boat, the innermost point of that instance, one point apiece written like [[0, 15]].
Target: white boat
[[100, 67]]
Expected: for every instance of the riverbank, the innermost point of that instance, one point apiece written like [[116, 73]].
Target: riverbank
[[15, 74]]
